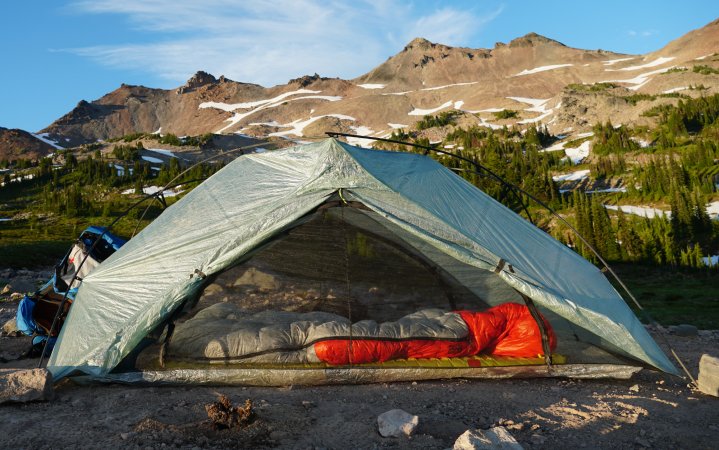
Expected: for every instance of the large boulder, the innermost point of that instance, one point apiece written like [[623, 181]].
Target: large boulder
[[25, 385]]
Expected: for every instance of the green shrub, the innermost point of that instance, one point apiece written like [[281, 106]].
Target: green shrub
[[506, 114], [705, 70]]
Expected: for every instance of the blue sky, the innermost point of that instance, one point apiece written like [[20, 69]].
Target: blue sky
[[56, 53]]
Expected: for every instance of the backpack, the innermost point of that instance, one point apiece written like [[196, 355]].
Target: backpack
[[36, 312]]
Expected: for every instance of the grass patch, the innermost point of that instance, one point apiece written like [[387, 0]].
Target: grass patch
[[31, 255], [576, 142], [673, 296], [596, 87], [675, 70], [705, 70], [505, 114]]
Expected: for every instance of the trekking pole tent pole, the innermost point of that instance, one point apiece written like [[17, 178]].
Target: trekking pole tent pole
[[516, 188], [114, 222]]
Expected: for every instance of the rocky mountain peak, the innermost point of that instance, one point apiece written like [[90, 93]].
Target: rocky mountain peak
[[533, 40], [305, 80], [199, 79], [420, 44]]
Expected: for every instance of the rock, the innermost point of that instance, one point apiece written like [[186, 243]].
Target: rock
[[493, 438], [634, 388], [538, 439], [259, 280], [10, 328], [686, 330], [20, 285], [643, 442], [16, 296], [708, 381], [6, 289], [396, 423], [25, 385]]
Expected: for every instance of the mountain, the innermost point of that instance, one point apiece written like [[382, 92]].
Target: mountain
[[19, 144], [542, 79]]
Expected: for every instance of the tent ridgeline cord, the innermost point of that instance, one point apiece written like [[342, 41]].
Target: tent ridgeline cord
[[112, 224], [516, 188]]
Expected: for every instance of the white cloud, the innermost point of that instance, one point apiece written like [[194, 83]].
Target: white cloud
[[644, 33], [269, 42]]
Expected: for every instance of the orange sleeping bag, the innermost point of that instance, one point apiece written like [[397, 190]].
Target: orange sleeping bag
[[503, 330]]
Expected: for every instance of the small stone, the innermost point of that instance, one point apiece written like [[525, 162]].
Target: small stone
[[497, 438], [534, 427], [686, 330], [396, 422], [634, 388], [643, 442], [6, 289], [308, 404], [25, 385], [538, 439], [708, 381], [414, 383], [10, 328], [124, 436]]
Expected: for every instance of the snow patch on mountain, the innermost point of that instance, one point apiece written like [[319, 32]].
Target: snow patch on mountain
[[260, 105], [574, 176], [151, 159], [44, 137], [150, 190], [297, 126], [361, 142], [229, 107], [577, 155], [554, 147], [640, 80], [371, 86], [162, 151], [656, 62], [676, 89], [449, 85], [484, 123], [541, 69], [643, 211], [611, 62], [713, 210], [538, 105], [424, 112]]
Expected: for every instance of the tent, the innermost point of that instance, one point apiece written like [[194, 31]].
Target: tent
[[410, 203]]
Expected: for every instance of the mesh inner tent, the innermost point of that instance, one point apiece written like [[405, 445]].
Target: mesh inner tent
[[343, 273]]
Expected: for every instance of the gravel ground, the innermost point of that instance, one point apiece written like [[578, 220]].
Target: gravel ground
[[649, 411]]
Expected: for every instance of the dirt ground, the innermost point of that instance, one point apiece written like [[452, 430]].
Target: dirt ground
[[649, 411]]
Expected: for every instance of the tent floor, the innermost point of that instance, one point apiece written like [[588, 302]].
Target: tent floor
[[356, 375]]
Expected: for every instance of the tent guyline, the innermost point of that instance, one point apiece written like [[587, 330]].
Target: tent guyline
[[517, 189], [155, 195]]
